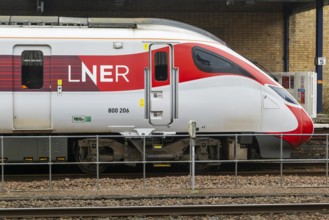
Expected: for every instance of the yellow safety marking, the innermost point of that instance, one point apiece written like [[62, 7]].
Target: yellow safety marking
[[146, 46], [43, 158], [60, 158], [162, 165], [28, 158], [141, 103], [59, 82]]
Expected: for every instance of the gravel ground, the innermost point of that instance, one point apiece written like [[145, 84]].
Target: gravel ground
[[166, 185], [171, 191]]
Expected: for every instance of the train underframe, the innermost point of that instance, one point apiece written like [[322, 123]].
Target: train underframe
[[162, 150]]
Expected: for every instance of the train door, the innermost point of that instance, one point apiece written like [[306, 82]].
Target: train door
[[161, 85], [31, 97]]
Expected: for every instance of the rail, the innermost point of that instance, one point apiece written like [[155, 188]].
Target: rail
[[162, 210], [192, 174]]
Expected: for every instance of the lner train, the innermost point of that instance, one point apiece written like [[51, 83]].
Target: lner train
[[136, 77]]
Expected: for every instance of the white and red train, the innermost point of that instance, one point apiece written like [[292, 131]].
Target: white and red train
[[135, 77]]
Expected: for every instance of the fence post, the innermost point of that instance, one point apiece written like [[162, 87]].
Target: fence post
[[144, 162], [97, 162], [192, 134], [2, 166], [327, 160], [50, 164], [236, 159], [281, 160]]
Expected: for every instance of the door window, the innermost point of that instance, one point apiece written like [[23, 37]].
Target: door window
[[161, 66], [32, 69]]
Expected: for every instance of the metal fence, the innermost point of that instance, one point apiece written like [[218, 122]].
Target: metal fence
[[320, 146]]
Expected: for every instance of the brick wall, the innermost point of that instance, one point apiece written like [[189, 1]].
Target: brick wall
[[257, 36], [302, 47], [254, 30]]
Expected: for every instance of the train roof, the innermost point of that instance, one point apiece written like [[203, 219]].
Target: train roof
[[132, 23]]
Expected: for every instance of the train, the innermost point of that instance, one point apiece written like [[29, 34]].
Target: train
[[141, 80]]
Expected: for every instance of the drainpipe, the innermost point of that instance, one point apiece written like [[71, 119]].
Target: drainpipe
[[319, 52], [287, 13]]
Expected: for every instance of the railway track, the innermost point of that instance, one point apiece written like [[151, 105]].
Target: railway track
[[163, 210], [160, 208], [244, 169]]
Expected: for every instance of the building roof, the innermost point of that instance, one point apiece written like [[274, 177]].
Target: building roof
[[124, 8]]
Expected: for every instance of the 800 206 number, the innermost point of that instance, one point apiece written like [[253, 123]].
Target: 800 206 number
[[124, 110], [118, 110]]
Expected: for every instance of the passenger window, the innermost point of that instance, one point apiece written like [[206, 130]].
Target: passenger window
[[32, 69], [210, 62], [161, 66]]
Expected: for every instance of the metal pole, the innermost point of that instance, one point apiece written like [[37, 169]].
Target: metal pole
[[281, 160], [97, 162], [287, 14], [192, 134], [236, 159], [327, 160], [192, 144], [319, 51], [50, 163], [144, 163], [2, 166], [190, 163]]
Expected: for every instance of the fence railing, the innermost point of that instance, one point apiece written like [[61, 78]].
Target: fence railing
[[319, 145]]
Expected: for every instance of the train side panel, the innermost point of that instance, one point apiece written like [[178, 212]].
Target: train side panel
[[88, 92], [96, 80]]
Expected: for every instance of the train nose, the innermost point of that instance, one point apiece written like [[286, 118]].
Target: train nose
[[307, 127], [304, 131]]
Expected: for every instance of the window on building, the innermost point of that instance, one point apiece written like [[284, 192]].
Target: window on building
[[161, 66], [32, 69]]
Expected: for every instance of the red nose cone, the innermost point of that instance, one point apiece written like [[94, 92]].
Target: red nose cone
[[305, 128]]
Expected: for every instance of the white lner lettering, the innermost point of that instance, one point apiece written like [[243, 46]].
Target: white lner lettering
[[69, 74], [107, 73], [121, 71], [85, 71]]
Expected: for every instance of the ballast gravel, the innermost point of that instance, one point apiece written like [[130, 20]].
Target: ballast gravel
[[170, 190]]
